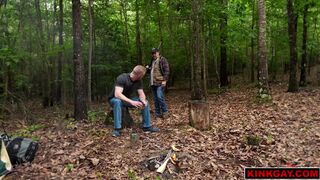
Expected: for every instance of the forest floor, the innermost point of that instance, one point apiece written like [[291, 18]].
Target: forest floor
[[287, 131]]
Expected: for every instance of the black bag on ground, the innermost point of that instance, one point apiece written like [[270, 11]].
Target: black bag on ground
[[20, 150]]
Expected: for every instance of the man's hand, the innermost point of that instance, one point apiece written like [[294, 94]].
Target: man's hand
[[142, 97], [163, 83], [136, 104], [145, 102]]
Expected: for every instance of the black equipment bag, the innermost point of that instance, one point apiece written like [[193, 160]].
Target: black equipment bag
[[20, 149]]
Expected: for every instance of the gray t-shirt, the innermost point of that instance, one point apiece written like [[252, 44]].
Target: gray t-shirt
[[127, 84]]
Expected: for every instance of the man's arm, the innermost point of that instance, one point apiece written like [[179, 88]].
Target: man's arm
[[149, 67], [142, 96], [165, 70], [118, 94]]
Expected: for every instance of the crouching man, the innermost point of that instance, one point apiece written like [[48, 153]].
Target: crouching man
[[121, 96]]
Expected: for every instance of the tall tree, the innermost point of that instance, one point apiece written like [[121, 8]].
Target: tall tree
[[204, 59], [198, 92], [252, 41], [138, 35], [263, 65], [90, 49], [292, 31], [3, 3], [124, 10], [51, 62], [223, 44], [80, 95], [213, 54], [60, 56], [171, 33], [159, 19], [46, 79], [304, 46], [199, 111], [54, 22]]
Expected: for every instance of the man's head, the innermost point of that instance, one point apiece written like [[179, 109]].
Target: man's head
[[138, 72], [155, 53]]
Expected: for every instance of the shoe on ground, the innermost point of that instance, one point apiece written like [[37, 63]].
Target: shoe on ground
[[116, 133], [150, 129], [165, 115]]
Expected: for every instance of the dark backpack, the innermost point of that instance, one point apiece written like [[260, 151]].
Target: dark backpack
[[20, 150]]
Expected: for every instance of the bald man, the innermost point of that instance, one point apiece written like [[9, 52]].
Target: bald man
[[121, 96]]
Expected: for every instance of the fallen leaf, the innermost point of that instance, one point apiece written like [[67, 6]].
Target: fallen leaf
[[94, 161]]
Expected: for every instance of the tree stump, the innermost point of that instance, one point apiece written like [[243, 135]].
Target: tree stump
[[126, 119], [199, 114]]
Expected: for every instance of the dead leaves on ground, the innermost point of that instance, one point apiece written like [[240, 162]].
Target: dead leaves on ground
[[281, 133]]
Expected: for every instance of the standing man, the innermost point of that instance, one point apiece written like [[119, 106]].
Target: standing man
[[159, 75], [126, 84]]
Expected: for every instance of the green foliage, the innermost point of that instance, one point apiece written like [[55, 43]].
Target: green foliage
[[27, 132], [99, 175], [263, 97], [270, 139], [115, 39], [9, 57], [252, 140], [109, 120], [69, 167], [71, 125], [216, 91], [132, 175], [35, 127], [94, 116]]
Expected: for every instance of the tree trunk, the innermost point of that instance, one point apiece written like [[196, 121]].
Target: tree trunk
[[252, 42], [51, 61], [199, 111], [263, 68], [159, 21], [233, 57], [223, 46], [46, 79], [197, 90], [190, 54], [125, 15], [303, 81], [47, 23], [171, 32], [80, 95], [138, 36], [3, 3], [292, 30], [275, 57], [60, 56], [204, 59], [6, 78], [90, 50], [312, 55], [215, 61]]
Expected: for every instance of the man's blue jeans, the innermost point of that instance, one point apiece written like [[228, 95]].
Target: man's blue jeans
[[159, 101], [117, 104]]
